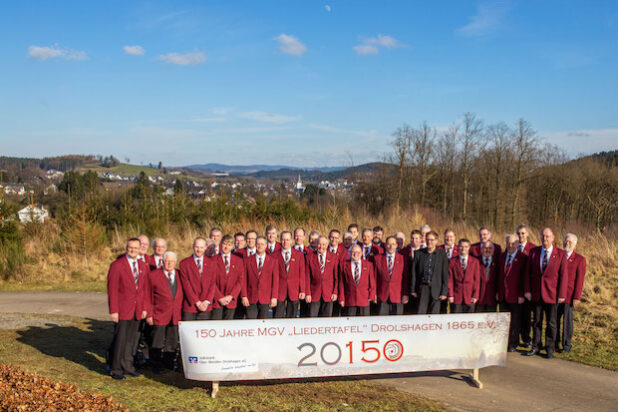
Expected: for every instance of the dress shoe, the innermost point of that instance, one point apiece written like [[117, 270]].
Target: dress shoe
[[134, 374], [512, 349], [550, 355], [526, 345], [118, 377], [566, 350], [531, 352]]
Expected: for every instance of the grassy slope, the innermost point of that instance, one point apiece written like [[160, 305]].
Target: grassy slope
[[74, 353]]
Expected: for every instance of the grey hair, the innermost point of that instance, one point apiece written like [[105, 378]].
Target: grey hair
[[313, 233], [571, 235], [425, 227], [157, 239], [170, 253], [347, 234], [400, 233], [509, 235]]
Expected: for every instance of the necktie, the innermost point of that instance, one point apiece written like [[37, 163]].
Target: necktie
[[135, 273], [198, 262], [356, 273], [545, 259], [286, 259], [226, 260], [321, 258], [366, 251], [250, 252], [521, 247], [486, 262], [272, 248], [160, 263], [448, 252], [508, 262], [390, 266], [170, 280], [259, 266], [464, 263]]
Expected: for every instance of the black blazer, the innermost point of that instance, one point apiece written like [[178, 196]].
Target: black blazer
[[439, 280]]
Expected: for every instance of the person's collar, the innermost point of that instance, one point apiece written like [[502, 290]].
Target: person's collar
[[198, 257], [169, 273], [286, 250], [131, 260], [261, 256], [569, 254]]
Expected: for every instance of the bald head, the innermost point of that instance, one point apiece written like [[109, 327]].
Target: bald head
[[547, 237]]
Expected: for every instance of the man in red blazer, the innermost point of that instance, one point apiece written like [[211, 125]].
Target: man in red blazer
[[378, 234], [416, 241], [291, 277], [576, 271], [449, 245], [357, 284], [216, 235], [488, 277], [484, 236], [354, 231], [299, 240], [512, 267], [249, 249], [164, 307], [333, 242], [392, 279], [144, 244], [240, 242], [322, 281], [126, 282], [198, 283], [155, 261], [525, 246], [229, 274], [261, 286], [271, 237], [369, 249], [464, 278], [545, 285], [401, 241]]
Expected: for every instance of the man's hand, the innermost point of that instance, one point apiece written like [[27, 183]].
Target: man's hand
[[405, 300], [333, 297], [273, 302], [520, 300], [451, 300], [414, 295], [560, 300], [342, 303], [114, 317], [576, 302], [144, 314], [245, 302], [198, 305], [528, 295], [149, 320], [473, 301], [442, 297], [375, 300], [497, 297], [203, 306], [308, 298], [301, 296]]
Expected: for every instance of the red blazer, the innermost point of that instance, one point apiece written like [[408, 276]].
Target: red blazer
[[261, 289], [360, 295], [576, 269], [151, 262], [124, 297], [529, 246], [319, 286], [392, 288], [475, 250], [375, 251], [455, 250], [380, 247], [463, 286], [511, 283], [277, 248], [161, 305], [548, 285], [487, 291], [196, 287], [293, 282], [230, 283]]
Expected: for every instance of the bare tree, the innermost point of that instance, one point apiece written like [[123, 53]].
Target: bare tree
[[446, 156], [525, 145], [472, 129], [401, 145], [421, 155]]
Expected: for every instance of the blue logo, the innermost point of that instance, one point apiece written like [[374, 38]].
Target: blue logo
[[192, 359]]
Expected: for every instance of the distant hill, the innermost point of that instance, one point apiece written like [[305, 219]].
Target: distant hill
[[250, 169], [321, 174]]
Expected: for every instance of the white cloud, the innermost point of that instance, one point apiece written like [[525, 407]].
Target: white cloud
[[488, 17], [183, 59], [134, 50], [327, 8], [268, 117], [46, 53], [290, 45], [371, 45]]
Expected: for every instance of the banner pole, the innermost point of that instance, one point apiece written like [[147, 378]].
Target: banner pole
[[215, 389], [474, 376]]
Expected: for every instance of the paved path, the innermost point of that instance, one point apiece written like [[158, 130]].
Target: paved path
[[526, 384]]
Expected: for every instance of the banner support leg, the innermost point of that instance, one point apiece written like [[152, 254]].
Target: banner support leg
[[215, 389], [474, 376]]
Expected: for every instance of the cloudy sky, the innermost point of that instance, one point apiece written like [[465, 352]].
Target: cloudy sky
[[300, 83]]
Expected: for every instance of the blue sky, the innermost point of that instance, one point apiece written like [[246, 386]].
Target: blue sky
[[300, 83]]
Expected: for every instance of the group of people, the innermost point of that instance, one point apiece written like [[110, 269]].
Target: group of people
[[359, 273]]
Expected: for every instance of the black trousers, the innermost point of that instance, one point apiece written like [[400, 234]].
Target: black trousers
[[257, 311], [320, 309], [515, 310], [337, 310], [525, 321], [304, 309], [565, 320], [165, 337], [444, 306], [240, 311], [287, 309], [426, 303], [356, 310], [197, 316], [122, 348], [223, 313], [550, 311], [462, 308], [485, 308], [388, 308]]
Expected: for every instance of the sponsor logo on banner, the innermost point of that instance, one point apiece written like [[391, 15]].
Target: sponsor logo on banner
[[193, 359]]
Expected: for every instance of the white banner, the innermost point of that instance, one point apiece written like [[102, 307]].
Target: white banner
[[312, 347]]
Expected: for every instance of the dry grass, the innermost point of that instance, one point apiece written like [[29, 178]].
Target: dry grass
[[54, 267]]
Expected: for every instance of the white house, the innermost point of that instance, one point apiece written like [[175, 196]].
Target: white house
[[32, 213]]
